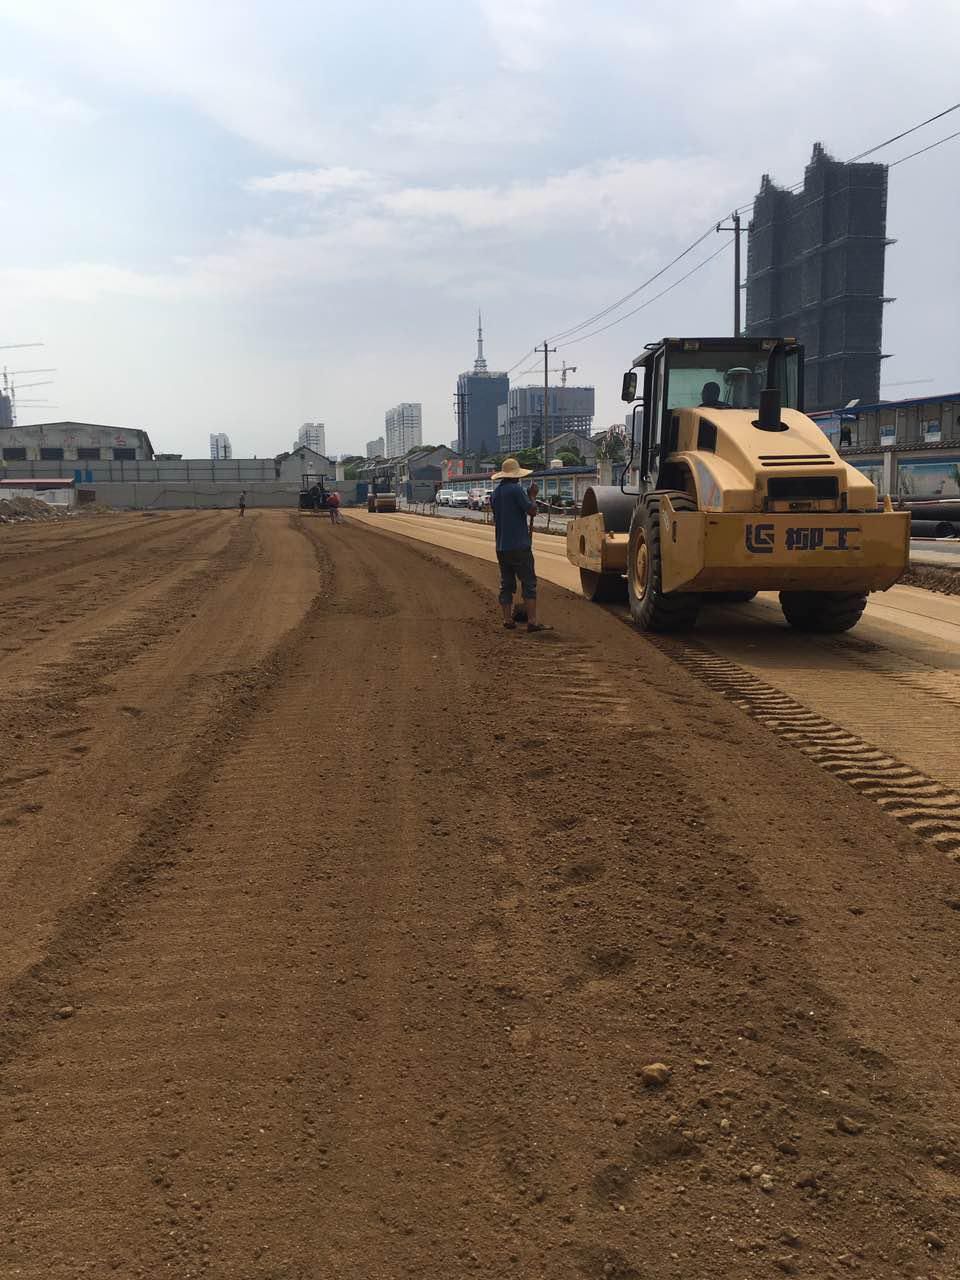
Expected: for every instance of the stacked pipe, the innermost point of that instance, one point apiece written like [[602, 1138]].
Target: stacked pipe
[[934, 519]]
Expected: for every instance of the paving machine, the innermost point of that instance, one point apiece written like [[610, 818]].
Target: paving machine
[[731, 489]]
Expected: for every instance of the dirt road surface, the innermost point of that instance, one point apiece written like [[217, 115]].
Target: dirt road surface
[[339, 926]]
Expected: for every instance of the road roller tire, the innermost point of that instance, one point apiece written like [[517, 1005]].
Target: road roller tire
[[651, 608], [823, 612], [603, 588]]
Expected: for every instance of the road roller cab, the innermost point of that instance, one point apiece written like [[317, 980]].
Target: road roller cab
[[731, 489]]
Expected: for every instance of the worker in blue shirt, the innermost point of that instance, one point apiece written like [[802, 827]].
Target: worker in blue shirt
[[511, 511]]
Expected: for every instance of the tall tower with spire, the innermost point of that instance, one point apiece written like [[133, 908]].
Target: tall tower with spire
[[479, 365], [480, 396]]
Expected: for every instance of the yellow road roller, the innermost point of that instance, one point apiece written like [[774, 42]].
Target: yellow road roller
[[731, 489]]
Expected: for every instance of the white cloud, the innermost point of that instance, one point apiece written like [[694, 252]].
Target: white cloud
[[217, 55], [657, 196], [83, 282], [17, 96], [502, 112], [522, 30], [315, 182]]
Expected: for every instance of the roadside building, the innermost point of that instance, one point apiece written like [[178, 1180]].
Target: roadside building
[[303, 461], [414, 476], [465, 481], [908, 448], [376, 448], [564, 486]]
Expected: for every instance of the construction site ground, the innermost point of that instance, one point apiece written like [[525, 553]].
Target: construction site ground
[[346, 934]]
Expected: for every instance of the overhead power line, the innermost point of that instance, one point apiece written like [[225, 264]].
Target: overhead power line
[[906, 133], [656, 297], [521, 360], [599, 315], [949, 138], [565, 336]]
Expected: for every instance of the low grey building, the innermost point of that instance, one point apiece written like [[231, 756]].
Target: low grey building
[[74, 442]]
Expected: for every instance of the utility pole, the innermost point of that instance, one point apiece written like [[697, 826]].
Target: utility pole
[[735, 228], [460, 399], [547, 353]]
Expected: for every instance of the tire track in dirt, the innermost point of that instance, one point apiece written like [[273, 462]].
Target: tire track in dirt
[[53, 549], [93, 743], [924, 805], [45, 608], [407, 937]]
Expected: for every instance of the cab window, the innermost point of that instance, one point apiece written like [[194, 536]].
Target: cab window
[[729, 379]]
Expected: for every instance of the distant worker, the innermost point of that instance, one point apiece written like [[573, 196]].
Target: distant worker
[[710, 396], [512, 509], [243, 501], [333, 502]]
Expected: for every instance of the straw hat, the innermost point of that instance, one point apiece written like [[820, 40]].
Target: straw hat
[[512, 470]]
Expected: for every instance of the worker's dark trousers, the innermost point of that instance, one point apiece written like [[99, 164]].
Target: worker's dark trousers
[[514, 565]]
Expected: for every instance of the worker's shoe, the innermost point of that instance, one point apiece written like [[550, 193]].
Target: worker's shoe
[[538, 626]]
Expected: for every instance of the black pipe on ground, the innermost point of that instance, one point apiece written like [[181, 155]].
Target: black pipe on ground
[[932, 509], [932, 529]]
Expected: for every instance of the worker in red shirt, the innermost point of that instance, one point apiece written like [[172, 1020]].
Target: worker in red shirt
[[333, 502]]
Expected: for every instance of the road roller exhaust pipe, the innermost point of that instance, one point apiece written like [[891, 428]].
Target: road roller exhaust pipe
[[768, 416]]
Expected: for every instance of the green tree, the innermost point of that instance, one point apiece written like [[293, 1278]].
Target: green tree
[[570, 457], [530, 458], [611, 446]]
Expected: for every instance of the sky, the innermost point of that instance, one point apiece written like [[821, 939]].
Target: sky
[[239, 216]]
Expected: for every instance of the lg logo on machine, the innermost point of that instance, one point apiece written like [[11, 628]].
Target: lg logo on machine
[[760, 539]]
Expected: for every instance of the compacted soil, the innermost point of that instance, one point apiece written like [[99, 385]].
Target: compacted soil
[[345, 934]]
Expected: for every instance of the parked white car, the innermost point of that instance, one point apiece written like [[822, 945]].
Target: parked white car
[[459, 499], [443, 497]]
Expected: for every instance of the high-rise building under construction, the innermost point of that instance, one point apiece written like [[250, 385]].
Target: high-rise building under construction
[[815, 272]]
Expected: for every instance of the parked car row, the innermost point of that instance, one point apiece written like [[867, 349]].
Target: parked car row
[[475, 499]]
